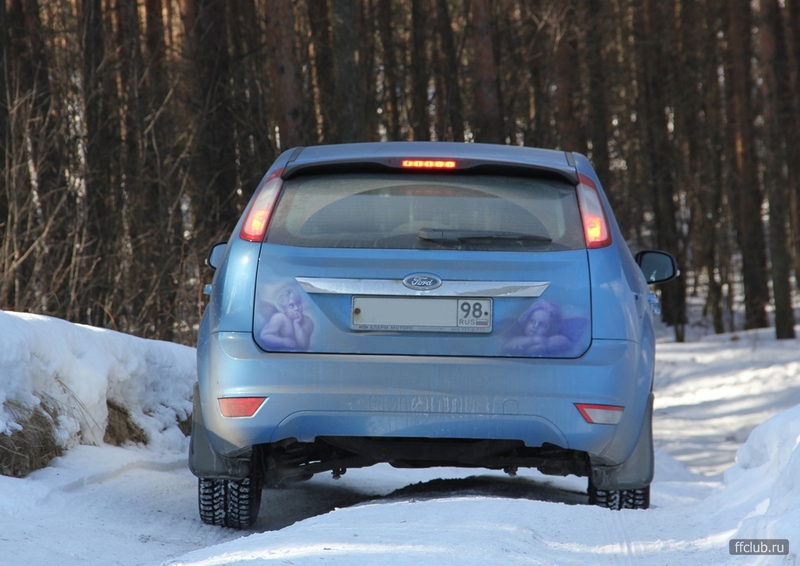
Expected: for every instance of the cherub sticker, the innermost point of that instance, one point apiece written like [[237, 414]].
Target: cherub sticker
[[287, 327], [541, 331]]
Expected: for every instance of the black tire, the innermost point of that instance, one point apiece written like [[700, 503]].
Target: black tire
[[617, 499], [229, 503], [211, 500]]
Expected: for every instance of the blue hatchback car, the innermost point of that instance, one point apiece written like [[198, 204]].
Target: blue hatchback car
[[425, 304]]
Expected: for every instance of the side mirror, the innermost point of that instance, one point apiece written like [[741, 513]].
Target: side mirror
[[215, 254], [657, 266]]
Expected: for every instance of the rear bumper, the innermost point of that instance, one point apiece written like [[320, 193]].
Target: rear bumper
[[311, 395]]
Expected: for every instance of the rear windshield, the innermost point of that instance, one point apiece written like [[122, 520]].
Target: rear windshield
[[409, 211]]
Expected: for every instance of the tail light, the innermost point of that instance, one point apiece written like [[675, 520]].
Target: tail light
[[593, 215], [256, 219], [240, 406], [600, 414], [428, 164]]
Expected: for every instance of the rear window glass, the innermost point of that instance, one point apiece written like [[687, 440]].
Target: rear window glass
[[407, 211]]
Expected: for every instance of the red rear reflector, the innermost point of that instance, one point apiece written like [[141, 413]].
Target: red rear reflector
[[595, 222], [600, 414], [240, 406], [256, 219], [428, 164]]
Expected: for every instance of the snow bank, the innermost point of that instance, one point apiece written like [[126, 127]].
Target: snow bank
[[76, 369], [766, 480]]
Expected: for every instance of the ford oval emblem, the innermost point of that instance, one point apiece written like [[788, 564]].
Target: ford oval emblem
[[422, 282]]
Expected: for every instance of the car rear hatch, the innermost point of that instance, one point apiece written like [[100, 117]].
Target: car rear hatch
[[445, 263]]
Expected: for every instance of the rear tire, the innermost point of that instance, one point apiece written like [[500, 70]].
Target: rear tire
[[617, 499], [229, 503]]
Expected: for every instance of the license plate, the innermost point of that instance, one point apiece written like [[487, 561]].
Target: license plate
[[417, 314]]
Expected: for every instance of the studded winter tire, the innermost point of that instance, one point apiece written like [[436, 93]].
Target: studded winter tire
[[619, 498], [229, 503]]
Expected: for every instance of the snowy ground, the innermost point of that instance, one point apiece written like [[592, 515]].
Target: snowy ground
[[102, 505]]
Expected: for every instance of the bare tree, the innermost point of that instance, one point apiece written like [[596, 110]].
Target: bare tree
[[134, 131]]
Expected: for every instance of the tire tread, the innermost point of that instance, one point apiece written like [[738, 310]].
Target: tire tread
[[617, 499], [228, 503]]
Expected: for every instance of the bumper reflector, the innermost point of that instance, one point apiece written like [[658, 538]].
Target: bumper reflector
[[240, 406], [600, 414]]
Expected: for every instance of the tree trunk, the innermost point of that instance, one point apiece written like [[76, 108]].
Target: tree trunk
[[773, 62], [101, 179], [132, 281], [697, 119], [488, 124], [349, 96], [567, 77], [369, 70], [392, 99], [285, 90], [420, 120], [538, 113], [321, 42], [661, 157], [598, 109], [5, 59], [712, 233], [746, 194], [32, 152], [453, 113], [214, 163], [791, 113]]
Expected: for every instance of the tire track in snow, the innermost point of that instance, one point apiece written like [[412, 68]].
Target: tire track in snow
[[619, 538], [122, 470]]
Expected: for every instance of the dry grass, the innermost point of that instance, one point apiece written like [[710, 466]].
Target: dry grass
[[35, 445], [32, 447], [121, 428], [185, 426]]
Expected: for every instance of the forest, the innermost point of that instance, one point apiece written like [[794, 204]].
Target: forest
[[135, 131]]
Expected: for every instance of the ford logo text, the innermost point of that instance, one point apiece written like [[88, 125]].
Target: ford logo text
[[422, 282]]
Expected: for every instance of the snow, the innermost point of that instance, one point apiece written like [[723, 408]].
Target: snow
[[726, 426], [76, 369]]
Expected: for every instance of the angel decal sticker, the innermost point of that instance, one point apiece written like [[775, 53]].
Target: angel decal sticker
[[541, 331], [287, 327]]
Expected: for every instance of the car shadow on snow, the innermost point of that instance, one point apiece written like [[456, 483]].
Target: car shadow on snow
[[490, 486], [285, 506]]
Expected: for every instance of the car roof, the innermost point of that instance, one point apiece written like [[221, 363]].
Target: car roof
[[471, 154]]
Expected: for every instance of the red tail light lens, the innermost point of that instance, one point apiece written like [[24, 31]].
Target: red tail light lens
[[595, 222], [600, 414], [256, 219], [240, 406]]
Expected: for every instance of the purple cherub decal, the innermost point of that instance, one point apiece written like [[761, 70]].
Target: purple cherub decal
[[287, 327], [537, 332]]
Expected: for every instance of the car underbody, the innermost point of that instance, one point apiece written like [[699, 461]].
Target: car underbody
[[286, 461]]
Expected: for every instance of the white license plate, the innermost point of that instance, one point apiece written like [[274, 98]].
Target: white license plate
[[417, 314]]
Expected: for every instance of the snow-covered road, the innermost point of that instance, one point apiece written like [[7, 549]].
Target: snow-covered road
[[102, 505]]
